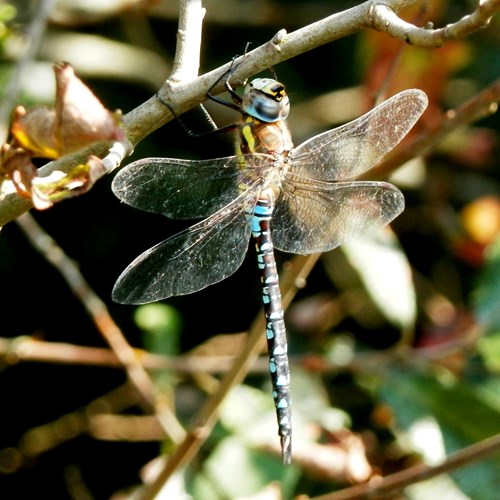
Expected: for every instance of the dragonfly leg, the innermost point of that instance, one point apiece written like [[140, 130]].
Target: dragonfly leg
[[215, 129], [236, 104]]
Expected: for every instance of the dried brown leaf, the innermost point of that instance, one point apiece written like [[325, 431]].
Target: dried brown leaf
[[34, 131], [79, 119]]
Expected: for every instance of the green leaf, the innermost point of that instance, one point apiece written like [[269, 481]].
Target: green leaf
[[464, 414], [235, 471], [385, 273], [489, 348], [486, 298], [161, 324]]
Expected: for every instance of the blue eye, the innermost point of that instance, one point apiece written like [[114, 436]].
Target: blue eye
[[266, 100]]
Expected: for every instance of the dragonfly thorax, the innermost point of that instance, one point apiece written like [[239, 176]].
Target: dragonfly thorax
[[256, 136], [266, 99]]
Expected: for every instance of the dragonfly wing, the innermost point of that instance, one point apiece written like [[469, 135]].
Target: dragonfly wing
[[318, 216], [195, 258], [348, 151], [177, 188]]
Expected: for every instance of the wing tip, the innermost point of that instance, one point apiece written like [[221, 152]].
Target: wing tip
[[417, 95]]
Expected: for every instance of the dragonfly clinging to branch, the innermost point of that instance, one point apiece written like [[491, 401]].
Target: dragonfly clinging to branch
[[297, 199]]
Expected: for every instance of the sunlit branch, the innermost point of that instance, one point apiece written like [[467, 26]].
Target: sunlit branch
[[25, 348], [116, 155], [187, 52], [30, 349], [385, 19], [399, 480]]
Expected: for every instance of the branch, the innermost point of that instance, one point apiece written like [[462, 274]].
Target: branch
[[143, 120], [26, 348], [385, 19], [399, 480], [187, 55], [38, 440]]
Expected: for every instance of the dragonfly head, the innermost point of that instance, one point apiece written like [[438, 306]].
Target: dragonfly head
[[266, 99]]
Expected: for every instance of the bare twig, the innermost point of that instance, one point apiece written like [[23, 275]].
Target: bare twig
[[399, 480], [25, 348], [187, 56], [102, 319], [151, 115], [385, 19], [40, 439]]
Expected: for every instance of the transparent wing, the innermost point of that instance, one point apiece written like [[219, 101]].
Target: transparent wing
[[314, 216], [348, 151], [195, 258], [185, 189]]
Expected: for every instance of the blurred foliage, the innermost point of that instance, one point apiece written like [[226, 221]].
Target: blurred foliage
[[359, 410]]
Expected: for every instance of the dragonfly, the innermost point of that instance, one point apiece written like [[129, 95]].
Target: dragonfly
[[301, 200]]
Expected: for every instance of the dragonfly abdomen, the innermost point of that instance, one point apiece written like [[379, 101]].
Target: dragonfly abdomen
[[275, 325]]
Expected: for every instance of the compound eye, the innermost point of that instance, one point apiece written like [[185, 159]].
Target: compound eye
[[266, 100]]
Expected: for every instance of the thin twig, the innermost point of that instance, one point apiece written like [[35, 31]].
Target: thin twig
[[102, 319], [25, 348], [399, 480], [385, 19], [187, 52], [38, 440]]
